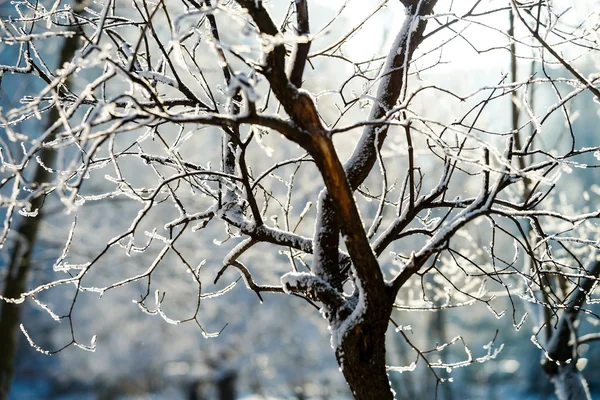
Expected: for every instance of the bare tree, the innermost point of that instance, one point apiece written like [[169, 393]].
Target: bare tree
[[431, 164], [558, 334], [20, 260]]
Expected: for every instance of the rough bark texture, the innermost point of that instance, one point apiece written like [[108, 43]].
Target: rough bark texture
[[362, 357]]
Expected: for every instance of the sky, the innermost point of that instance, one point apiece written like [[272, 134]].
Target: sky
[[383, 26], [380, 31]]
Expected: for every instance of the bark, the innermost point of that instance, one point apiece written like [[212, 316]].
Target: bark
[[20, 261], [364, 156], [16, 279], [361, 357], [301, 51], [361, 350], [569, 384]]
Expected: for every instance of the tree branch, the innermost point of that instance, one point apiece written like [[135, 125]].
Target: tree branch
[[364, 156], [300, 54]]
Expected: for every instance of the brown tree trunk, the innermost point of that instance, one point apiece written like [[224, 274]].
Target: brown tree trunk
[[361, 356]]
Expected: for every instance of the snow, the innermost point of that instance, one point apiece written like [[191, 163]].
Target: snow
[[242, 82], [340, 328], [155, 76], [570, 384], [305, 282], [408, 368], [31, 342]]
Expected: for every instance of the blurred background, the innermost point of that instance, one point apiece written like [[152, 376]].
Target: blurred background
[[280, 348]]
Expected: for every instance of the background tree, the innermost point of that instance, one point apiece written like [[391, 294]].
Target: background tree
[[558, 335], [20, 259], [393, 226]]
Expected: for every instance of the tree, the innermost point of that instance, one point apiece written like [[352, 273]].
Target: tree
[[174, 75], [558, 333], [19, 264]]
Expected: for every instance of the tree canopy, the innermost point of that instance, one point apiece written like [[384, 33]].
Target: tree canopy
[[243, 142]]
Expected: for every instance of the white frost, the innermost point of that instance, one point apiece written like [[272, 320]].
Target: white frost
[[340, 328], [298, 280]]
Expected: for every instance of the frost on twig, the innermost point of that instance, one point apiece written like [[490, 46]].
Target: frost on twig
[[455, 193]]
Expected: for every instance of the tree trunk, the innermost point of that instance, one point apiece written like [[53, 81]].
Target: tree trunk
[[361, 357], [20, 260], [226, 385], [569, 384], [16, 279], [8, 345]]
